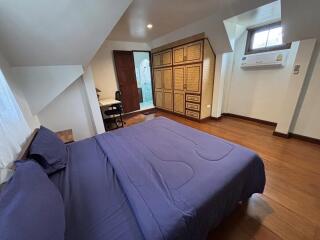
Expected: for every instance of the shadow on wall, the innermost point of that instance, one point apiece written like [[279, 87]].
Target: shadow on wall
[[314, 66], [69, 110]]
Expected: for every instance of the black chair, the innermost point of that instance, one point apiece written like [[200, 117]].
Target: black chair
[[118, 96], [113, 117]]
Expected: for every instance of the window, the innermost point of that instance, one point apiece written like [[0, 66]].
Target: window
[[13, 129], [265, 38]]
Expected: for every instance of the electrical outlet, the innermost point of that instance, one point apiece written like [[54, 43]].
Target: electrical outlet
[[296, 69], [209, 106]]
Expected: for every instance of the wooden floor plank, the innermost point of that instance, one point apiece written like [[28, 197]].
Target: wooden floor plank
[[279, 219], [290, 205], [317, 234]]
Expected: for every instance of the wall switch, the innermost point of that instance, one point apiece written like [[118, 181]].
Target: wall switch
[[209, 106], [296, 69]]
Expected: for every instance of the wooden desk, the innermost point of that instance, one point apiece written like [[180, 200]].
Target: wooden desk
[[66, 136], [108, 102]]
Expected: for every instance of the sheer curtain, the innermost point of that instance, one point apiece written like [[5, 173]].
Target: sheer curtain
[[13, 129]]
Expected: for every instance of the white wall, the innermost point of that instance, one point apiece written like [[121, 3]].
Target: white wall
[[218, 86], [93, 101], [31, 119], [308, 115], [58, 97], [69, 110], [272, 94], [256, 93], [41, 84], [103, 66], [294, 90]]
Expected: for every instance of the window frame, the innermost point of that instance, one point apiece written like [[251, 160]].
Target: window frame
[[252, 31]]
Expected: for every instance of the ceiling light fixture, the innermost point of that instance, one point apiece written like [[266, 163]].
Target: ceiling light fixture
[[149, 26]]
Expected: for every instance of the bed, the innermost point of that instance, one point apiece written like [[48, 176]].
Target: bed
[[154, 180]]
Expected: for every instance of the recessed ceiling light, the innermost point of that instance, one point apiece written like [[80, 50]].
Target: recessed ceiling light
[[149, 26]]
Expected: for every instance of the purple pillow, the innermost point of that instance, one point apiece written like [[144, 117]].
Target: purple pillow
[[48, 150], [31, 206]]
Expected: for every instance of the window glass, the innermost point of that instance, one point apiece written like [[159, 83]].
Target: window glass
[[13, 129], [275, 37], [260, 39], [265, 38]]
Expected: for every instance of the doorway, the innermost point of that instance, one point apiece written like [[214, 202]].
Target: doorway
[[125, 69], [143, 77]]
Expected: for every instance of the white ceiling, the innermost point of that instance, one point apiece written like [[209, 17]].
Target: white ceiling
[[301, 19], [59, 32], [267, 13], [168, 15], [69, 32]]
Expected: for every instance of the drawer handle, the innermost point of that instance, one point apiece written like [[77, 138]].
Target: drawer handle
[[193, 98]]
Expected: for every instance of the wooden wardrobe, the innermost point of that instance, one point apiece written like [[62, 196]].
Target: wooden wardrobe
[[183, 79]]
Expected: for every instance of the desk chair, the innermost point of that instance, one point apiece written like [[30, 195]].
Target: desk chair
[[118, 96], [113, 118]]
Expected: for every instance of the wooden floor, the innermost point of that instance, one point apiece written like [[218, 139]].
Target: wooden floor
[[290, 205]]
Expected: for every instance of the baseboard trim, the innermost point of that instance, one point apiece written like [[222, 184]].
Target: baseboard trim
[[275, 133], [305, 138], [130, 114], [283, 135], [250, 119], [216, 118], [205, 119]]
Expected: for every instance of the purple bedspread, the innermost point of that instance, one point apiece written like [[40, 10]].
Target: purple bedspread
[[179, 182], [96, 208]]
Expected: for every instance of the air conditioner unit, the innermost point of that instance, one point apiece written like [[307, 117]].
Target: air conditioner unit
[[269, 59]]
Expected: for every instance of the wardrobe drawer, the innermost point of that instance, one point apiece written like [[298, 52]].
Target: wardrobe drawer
[[193, 98], [193, 106], [193, 114]]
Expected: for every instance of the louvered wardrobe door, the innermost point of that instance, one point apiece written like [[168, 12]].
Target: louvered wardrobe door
[[158, 96], [193, 52], [178, 55], [178, 78], [167, 78], [193, 78], [157, 77], [179, 102], [167, 88], [156, 60], [167, 100], [166, 58]]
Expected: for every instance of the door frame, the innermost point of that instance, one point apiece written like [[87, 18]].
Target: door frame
[[117, 69], [150, 64]]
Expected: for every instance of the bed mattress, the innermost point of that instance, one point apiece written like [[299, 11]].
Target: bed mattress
[[155, 180]]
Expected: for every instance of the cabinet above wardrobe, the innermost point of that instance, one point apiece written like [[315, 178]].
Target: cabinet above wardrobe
[[183, 78], [188, 53], [162, 59]]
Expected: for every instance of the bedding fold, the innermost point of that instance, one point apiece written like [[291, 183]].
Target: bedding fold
[[180, 182]]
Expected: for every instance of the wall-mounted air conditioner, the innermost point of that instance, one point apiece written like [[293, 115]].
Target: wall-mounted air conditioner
[[269, 59]]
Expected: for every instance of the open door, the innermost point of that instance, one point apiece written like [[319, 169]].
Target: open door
[[125, 70]]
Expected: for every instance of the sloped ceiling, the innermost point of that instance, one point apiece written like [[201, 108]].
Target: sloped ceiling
[[60, 32], [170, 15], [265, 14], [42, 84], [69, 32], [300, 19]]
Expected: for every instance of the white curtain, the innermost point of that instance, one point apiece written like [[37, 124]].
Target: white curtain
[[13, 129]]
